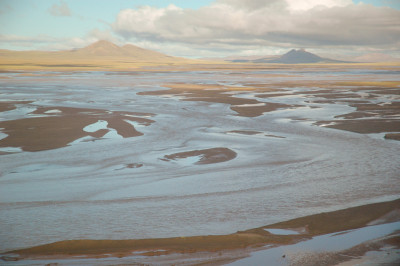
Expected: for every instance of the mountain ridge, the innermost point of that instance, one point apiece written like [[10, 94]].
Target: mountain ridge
[[99, 55], [299, 56], [106, 48]]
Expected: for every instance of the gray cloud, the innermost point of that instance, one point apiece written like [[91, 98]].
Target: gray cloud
[[60, 9], [277, 23]]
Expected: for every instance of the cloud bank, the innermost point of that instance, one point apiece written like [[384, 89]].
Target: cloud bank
[[244, 24], [231, 27]]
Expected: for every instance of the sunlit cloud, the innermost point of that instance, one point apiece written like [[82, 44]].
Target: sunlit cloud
[[277, 23], [49, 43], [222, 27]]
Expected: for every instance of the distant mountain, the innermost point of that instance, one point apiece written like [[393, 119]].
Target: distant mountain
[[294, 56], [104, 48], [100, 48], [99, 55]]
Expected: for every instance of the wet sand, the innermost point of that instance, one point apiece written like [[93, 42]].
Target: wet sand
[[364, 126], [308, 227], [352, 94], [208, 156], [222, 148], [220, 94], [57, 129], [395, 136], [7, 106]]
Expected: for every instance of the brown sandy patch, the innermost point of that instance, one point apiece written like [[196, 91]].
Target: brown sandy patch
[[44, 133], [130, 166], [275, 136], [254, 111], [383, 110], [352, 256], [335, 101], [208, 156], [196, 87], [342, 220], [392, 91], [327, 86], [364, 126], [217, 94], [11, 105], [350, 94], [318, 224], [370, 116], [39, 74], [357, 115], [250, 132], [386, 84], [134, 165], [7, 106], [245, 132], [389, 217], [332, 95], [8, 71], [394, 136], [67, 60], [337, 92], [382, 116], [58, 129]]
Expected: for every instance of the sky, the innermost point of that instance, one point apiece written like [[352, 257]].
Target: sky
[[205, 28]]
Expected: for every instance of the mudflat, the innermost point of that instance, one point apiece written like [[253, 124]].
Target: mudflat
[[302, 229], [192, 161], [56, 127]]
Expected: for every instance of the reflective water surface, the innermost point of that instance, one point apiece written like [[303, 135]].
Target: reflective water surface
[[330, 242], [115, 187]]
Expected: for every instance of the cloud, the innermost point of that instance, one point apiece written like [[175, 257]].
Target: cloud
[[97, 34], [49, 43], [24, 39], [233, 24], [296, 5], [60, 9]]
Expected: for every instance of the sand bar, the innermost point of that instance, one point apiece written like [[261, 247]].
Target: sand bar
[[314, 225]]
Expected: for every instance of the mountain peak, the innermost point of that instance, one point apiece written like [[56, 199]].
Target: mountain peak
[[103, 43], [299, 56], [101, 47], [108, 49]]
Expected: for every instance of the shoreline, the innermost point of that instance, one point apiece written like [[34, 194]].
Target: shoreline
[[26, 66]]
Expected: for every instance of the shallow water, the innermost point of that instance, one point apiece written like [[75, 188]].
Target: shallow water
[[281, 231], [325, 243], [83, 191]]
